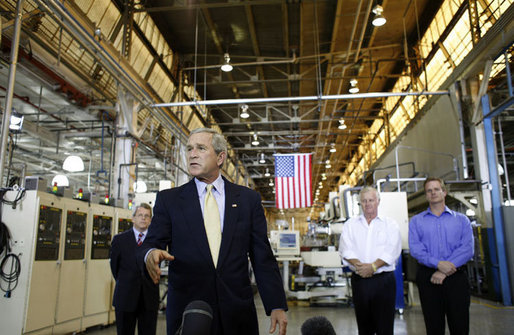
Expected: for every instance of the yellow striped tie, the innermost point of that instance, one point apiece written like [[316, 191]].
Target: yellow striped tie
[[211, 218]]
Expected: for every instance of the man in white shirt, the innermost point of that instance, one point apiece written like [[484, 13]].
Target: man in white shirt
[[370, 245]]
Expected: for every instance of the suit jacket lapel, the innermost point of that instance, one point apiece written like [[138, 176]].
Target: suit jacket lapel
[[230, 220], [192, 211]]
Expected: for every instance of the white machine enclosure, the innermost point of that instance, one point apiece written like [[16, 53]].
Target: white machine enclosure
[[65, 282], [71, 291], [98, 295], [32, 304]]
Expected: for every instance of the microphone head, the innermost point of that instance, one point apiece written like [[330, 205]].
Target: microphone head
[[318, 325], [197, 318]]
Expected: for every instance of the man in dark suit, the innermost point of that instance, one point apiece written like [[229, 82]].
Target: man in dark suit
[[181, 224], [136, 298]]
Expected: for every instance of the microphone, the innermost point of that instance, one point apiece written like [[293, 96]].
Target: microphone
[[196, 319], [318, 325]]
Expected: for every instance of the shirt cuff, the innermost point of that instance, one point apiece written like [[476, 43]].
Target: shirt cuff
[[148, 252]]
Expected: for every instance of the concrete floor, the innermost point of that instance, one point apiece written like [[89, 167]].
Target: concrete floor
[[485, 318]]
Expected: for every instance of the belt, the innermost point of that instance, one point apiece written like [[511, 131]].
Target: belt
[[375, 275]]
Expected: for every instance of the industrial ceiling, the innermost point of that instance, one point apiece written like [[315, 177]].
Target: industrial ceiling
[[77, 56]]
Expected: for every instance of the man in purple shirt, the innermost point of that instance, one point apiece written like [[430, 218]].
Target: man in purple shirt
[[441, 240]]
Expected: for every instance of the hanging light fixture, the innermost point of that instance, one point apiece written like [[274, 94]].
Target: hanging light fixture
[[140, 187], [267, 174], [271, 182], [61, 180], [262, 160], [16, 122], [255, 140], [333, 147], [244, 112], [226, 67], [379, 20], [73, 163], [342, 125], [353, 86]]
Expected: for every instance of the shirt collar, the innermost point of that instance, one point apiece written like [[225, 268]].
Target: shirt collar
[[378, 217], [219, 185], [446, 210], [137, 231]]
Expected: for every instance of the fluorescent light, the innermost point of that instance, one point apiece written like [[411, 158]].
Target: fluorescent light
[[61, 180], [73, 163]]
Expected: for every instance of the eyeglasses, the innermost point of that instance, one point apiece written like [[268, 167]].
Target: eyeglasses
[[146, 216]]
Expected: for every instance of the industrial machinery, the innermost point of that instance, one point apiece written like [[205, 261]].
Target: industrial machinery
[[63, 245], [98, 273], [71, 289]]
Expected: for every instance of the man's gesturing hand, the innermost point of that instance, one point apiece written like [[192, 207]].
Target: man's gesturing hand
[[154, 258], [278, 316]]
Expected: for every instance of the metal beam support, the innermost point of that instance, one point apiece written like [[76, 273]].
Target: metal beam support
[[496, 202], [10, 86]]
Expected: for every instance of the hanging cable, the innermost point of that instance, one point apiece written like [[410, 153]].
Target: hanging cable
[[318, 55], [10, 266]]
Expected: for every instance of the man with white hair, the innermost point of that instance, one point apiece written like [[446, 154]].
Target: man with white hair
[[370, 244]]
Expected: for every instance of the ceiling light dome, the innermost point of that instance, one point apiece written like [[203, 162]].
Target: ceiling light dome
[[140, 186], [73, 163], [255, 140], [61, 180]]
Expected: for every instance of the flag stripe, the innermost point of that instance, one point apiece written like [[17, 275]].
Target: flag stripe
[[293, 180]]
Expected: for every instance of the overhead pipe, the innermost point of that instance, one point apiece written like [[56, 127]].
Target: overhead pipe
[[382, 180], [285, 61], [88, 41], [10, 87], [304, 98]]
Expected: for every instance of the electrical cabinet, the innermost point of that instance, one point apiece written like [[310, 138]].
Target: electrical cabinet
[[70, 295], [98, 272], [35, 226]]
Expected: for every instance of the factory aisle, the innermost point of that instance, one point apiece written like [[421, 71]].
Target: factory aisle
[[485, 318]]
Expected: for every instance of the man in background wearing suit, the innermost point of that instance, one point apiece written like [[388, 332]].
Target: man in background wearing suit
[[211, 227], [136, 298]]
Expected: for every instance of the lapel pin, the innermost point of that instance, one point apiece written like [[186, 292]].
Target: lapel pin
[[234, 205]]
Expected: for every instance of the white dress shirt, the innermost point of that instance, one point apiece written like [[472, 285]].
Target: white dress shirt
[[380, 239]]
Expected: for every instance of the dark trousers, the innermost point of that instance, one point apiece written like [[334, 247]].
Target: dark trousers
[[451, 299], [146, 321], [374, 300]]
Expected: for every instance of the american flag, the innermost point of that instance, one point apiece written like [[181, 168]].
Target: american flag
[[293, 180]]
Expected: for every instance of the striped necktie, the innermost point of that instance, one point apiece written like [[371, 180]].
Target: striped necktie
[[140, 239], [211, 218]]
